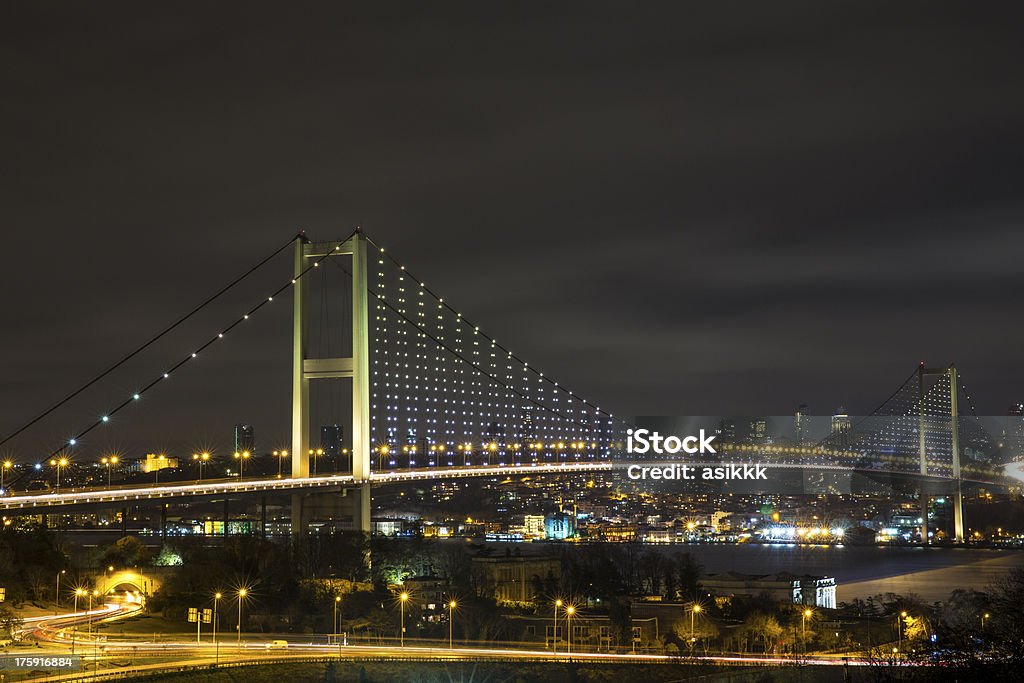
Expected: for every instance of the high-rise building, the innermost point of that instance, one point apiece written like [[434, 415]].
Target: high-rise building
[[331, 440], [527, 430], [244, 439], [495, 432], [1013, 432], [841, 427], [758, 430], [800, 424]]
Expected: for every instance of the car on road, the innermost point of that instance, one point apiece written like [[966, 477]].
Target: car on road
[[277, 645]]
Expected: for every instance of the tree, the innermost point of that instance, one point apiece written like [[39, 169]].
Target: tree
[[10, 622], [764, 627]]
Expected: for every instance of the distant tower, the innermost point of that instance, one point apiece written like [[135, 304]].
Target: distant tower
[[330, 439], [800, 424], [495, 432], [244, 439], [758, 430], [527, 429], [1013, 433], [841, 427]]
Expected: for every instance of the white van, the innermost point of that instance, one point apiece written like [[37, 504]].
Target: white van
[[277, 645]]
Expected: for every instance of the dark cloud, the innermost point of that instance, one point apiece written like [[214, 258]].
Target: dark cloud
[[673, 209]]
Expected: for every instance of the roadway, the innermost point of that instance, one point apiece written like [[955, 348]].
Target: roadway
[[219, 488], [213, 488], [120, 655]]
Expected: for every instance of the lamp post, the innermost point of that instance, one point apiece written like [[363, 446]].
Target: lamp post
[[315, 454], [693, 612], [59, 464], [899, 630], [200, 460], [451, 621], [804, 616], [241, 595], [403, 598], [216, 645], [280, 455], [74, 627], [161, 459], [984, 618], [57, 595], [334, 624], [554, 628], [241, 458], [3, 473], [569, 611], [109, 462], [88, 613]]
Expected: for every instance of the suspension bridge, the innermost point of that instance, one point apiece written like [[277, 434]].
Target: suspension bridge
[[429, 395]]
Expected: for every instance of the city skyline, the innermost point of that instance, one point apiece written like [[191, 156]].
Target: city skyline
[[818, 291]]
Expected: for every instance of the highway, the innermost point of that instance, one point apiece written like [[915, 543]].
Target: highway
[[124, 494], [121, 655], [220, 487]]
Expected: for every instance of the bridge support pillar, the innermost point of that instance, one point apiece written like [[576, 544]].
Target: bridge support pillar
[[924, 515], [355, 367], [263, 517], [958, 515], [361, 509], [351, 505], [300, 524]]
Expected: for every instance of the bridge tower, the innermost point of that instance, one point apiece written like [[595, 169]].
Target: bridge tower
[[355, 367], [957, 496]]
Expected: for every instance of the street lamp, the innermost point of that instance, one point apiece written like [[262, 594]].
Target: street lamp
[[280, 455], [569, 611], [88, 611], [451, 620], [242, 592], [216, 645], [200, 460], [109, 462], [403, 598], [57, 598], [984, 618], [899, 629], [74, 627], [59, 464], [3, 472], [693, 612], [159, 466], [554, 628], [241, 458], [804, 616], [334, 626], [314, 454]]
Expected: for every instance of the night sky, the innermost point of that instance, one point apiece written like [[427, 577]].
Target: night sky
[[672, 209]]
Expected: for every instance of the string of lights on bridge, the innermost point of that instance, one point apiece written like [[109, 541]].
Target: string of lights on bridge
[[166, 374], [468, 366], [893, 430], [444, 389]]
